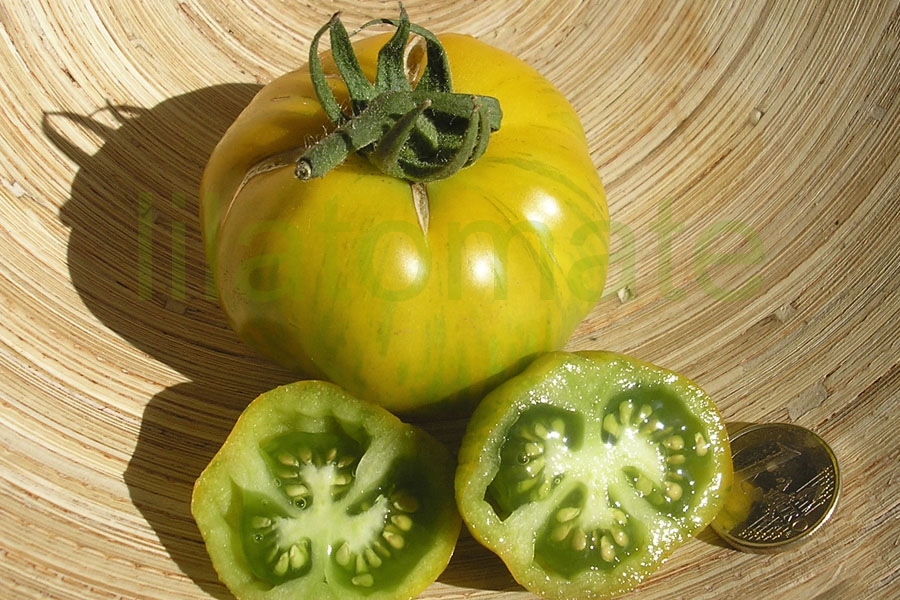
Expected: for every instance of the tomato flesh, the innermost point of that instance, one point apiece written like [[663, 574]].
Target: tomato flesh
[[317, 494], [587, 470]]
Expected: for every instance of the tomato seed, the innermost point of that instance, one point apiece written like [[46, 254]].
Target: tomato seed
[[673, 490], [676, 442], [361, 565], [644, 413], [403, 522], [526, 484], [373, 559], [296, 490], [651, 427], [344, 555], [567, 514], [559, 426], [405, 502], [611, 425], [380, 549], [607, 552], [281, 566], [533, 449], [286, 473], [579, 540], [561, 532], [288, 459], [260, 522], [701, 445], [625, 411], [393, 539], [364, 580], [297, 557], [643, 485]]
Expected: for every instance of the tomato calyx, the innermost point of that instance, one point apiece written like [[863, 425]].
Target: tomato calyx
[[416, 133]]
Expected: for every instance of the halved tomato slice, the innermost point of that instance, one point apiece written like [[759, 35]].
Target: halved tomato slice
[[316, 494], [587, 470]]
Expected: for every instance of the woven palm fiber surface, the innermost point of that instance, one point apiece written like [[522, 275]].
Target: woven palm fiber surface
[[764, 130]]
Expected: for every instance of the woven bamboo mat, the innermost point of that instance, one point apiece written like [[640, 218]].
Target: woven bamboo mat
[[768, 132]]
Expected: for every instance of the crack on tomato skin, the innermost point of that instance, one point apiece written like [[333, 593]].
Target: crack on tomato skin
[[419, 193]]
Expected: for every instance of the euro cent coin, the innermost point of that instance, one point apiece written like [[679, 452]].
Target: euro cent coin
[[786, 485]]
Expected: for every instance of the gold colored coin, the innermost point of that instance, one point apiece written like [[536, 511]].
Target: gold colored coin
[[786, 485]]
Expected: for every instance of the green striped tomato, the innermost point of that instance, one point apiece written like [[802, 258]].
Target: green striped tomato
[[337, 278]]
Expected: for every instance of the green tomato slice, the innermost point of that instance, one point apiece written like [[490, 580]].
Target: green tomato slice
[[587, 470], [316, 494]]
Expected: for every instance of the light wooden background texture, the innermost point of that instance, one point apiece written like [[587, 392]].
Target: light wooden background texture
[[764, 130]]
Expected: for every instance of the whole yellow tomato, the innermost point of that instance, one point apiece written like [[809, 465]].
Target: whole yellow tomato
[[417, 294]]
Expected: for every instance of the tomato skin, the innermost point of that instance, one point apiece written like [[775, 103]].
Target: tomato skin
[[334, 278], [308, 469], [553, 472]]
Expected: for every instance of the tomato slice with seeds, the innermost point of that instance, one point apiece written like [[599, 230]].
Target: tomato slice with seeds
[[587, 470], [316, 494]]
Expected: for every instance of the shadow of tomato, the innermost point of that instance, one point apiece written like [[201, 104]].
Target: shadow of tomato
[[135, 257]]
